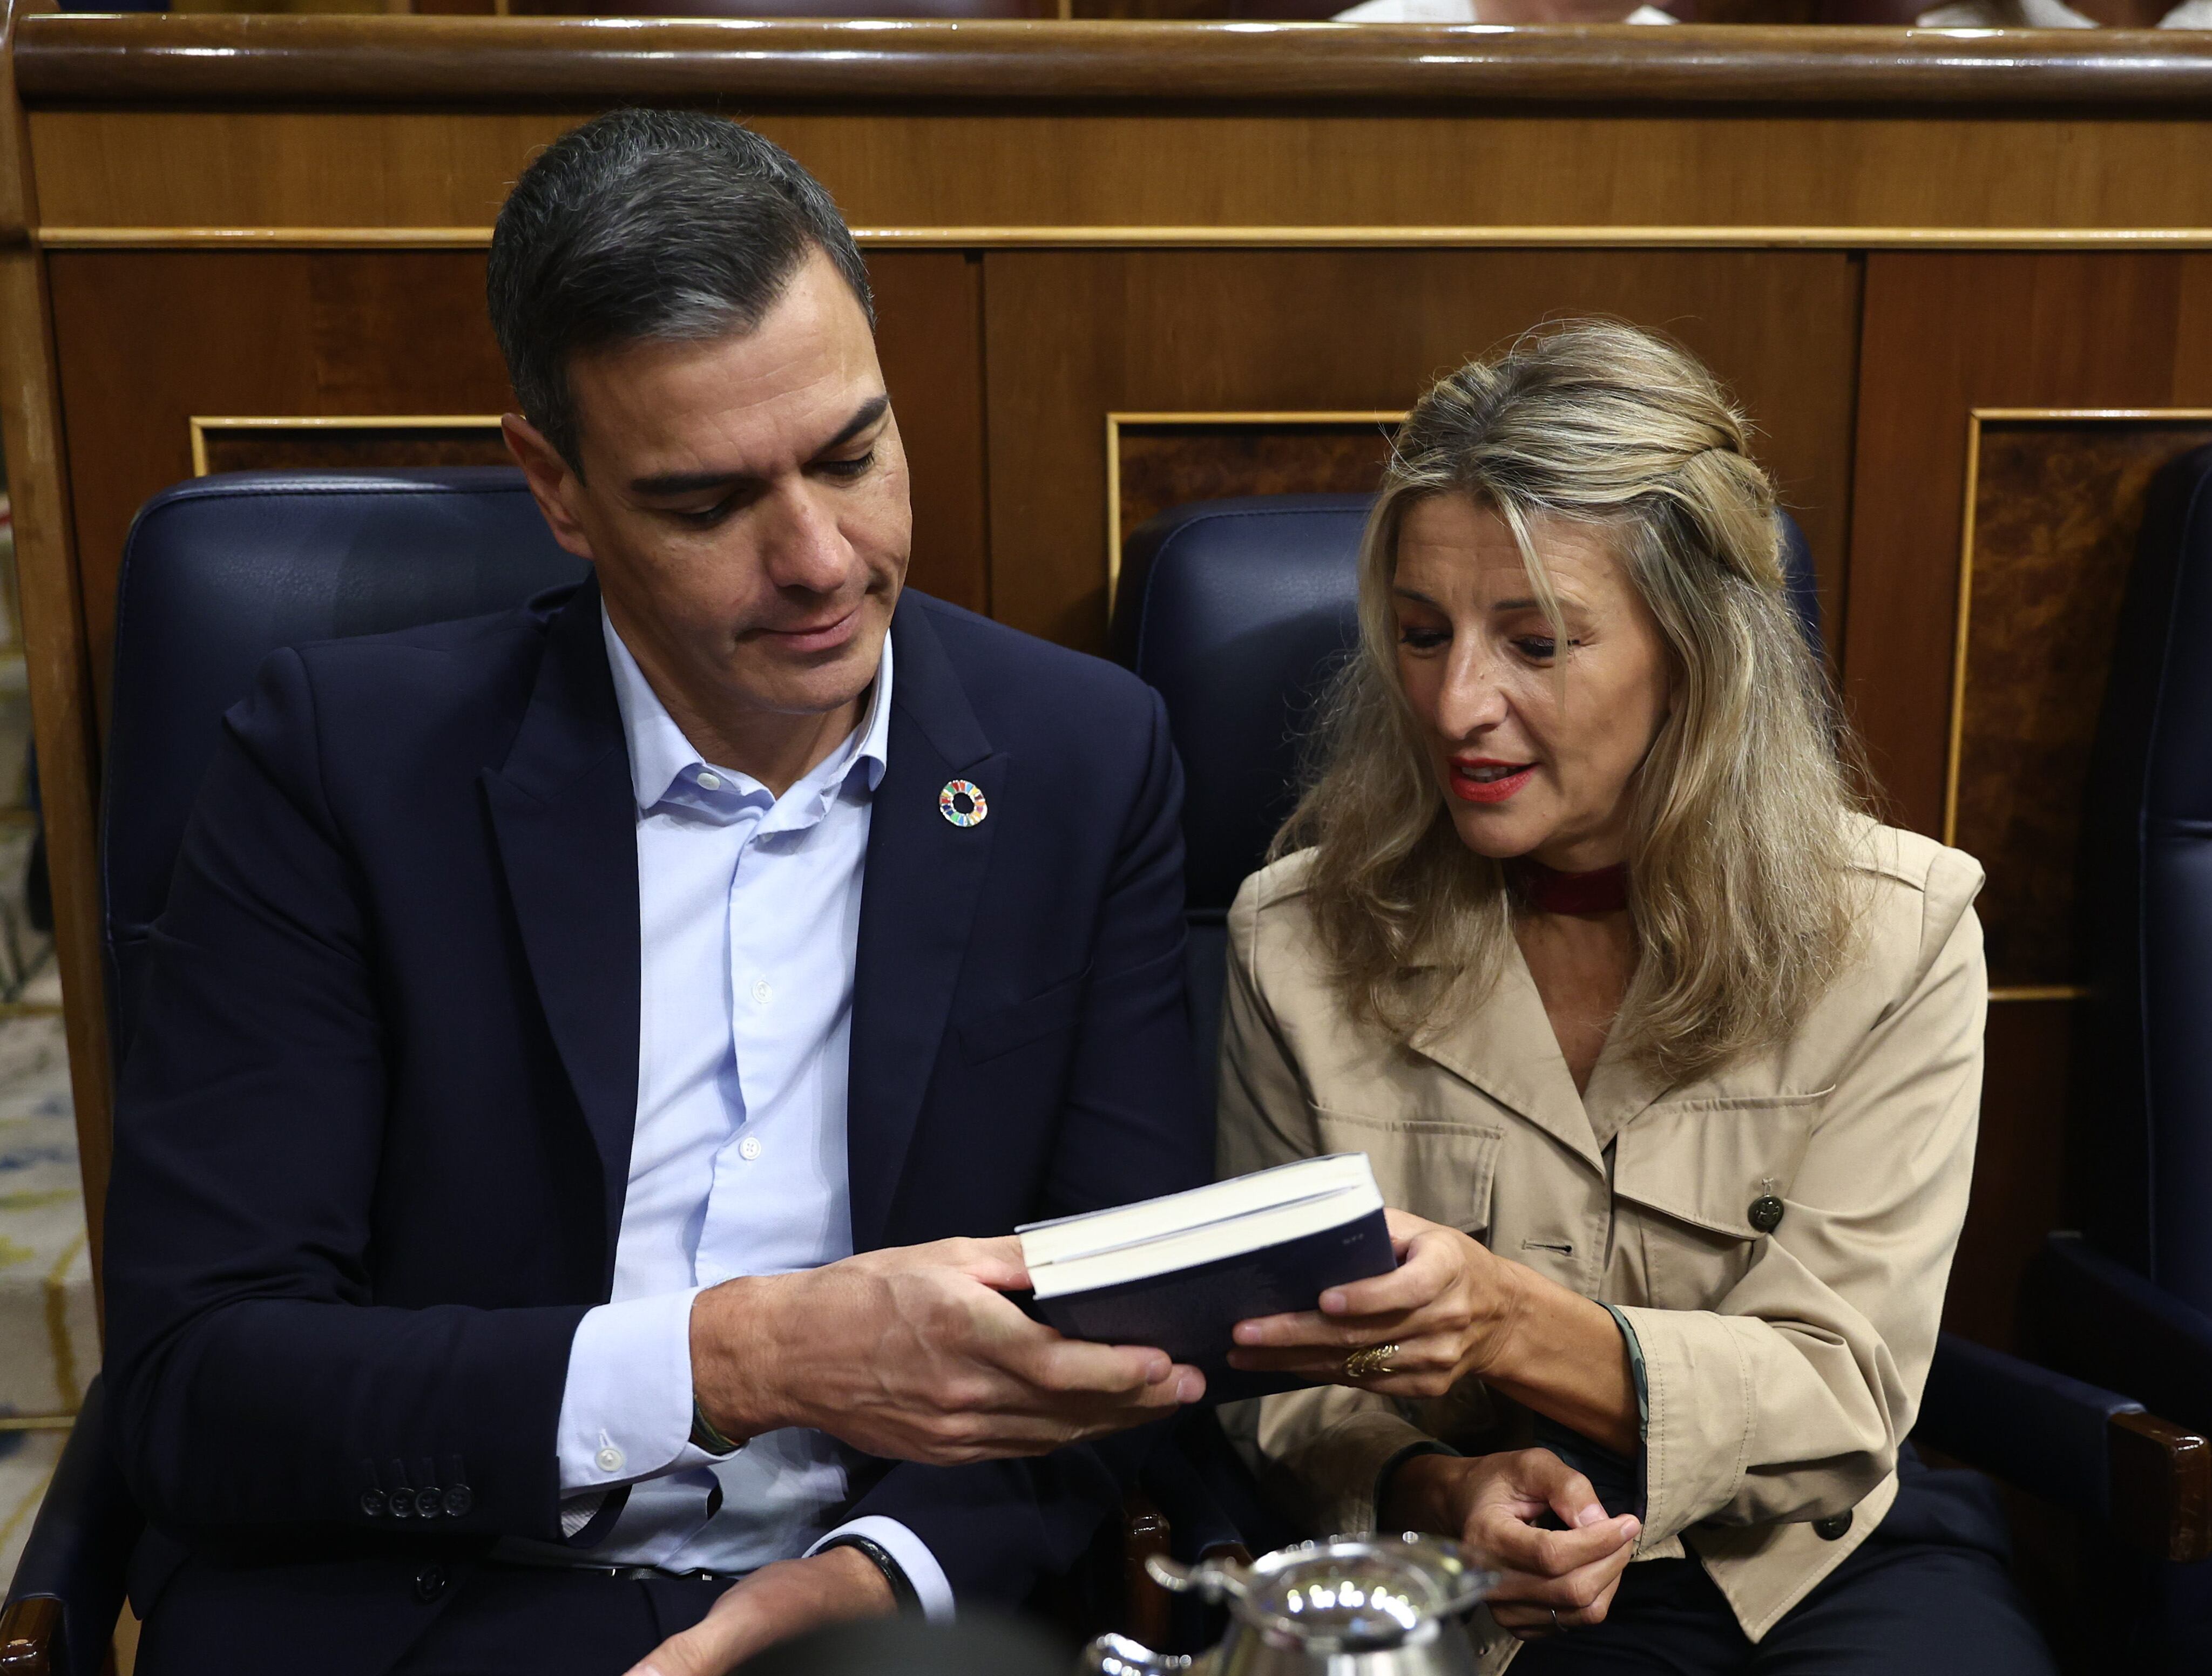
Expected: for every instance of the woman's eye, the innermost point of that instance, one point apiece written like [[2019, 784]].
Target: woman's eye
[[1539, 648], [1422, 639]]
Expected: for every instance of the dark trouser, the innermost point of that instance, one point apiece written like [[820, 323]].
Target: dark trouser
[[1928, 1594], [535, 1622]]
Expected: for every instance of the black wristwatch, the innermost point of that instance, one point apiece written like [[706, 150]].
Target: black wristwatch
[[902, 1591]]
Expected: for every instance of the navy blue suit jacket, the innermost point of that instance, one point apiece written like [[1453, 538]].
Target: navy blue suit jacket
[[374, 1133]]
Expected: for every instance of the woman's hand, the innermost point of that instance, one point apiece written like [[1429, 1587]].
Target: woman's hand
[[1449, 1306], [1552, 1580]]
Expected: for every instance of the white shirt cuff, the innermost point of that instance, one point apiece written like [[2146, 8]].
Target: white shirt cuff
[[914, 1558], [626, 1408]]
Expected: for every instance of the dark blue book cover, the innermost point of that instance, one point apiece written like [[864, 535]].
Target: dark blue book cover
[[1190, 1312]]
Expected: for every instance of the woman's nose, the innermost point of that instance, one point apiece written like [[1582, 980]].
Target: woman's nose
[[1472, 698]]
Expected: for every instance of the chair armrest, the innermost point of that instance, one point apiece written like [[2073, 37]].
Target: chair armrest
[[67, 1589], [2099, 1320], [2088, 1450]]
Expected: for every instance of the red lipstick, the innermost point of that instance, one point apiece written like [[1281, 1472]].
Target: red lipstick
[[1487, 780]]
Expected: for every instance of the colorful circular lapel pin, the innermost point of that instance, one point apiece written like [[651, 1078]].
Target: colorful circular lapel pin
[[963, 804]]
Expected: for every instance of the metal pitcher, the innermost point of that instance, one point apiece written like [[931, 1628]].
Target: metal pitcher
[[1346, 1606]]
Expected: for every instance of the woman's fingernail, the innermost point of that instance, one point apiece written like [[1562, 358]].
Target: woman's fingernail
[[1592, 1515], [1246, 1333], [1332, 1303], [1190, 1387]]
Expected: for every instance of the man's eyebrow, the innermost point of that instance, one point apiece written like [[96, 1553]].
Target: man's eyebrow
[[690, 483]]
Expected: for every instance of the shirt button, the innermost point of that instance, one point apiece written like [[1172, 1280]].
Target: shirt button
[[609, 1460], [372, 1503], [709, 782], [761, 992], [749, 1148], [429, 1583]]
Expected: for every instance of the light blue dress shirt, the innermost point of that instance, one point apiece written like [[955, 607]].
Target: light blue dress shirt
[[749, 908]]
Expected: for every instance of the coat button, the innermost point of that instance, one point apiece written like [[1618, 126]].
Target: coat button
[[458, 1501], [429, 1583], [429, 1504], [1832, 1527], [372, 1503], [403, 1504], [1767, 1213]]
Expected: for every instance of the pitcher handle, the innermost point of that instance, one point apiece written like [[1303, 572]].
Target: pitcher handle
[[1212, 1578], [1118, 1655]]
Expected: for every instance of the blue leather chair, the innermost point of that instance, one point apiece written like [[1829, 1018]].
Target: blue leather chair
[[1239, 611], [216, 574], [2128, 1301]]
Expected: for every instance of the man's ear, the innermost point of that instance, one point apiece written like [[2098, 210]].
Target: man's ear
[[552, 482]]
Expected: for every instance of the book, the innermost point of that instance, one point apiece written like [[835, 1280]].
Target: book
[[1178, 1273]]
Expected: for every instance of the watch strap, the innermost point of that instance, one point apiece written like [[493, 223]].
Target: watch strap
[[903, 1594]]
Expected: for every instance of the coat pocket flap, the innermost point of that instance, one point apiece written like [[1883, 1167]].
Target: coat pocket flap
[[1708, 1161], [1051, 1012], [1433, 1166]]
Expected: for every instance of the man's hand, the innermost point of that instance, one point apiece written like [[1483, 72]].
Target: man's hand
[[912, 1354], [1553, 1580], [775, 1603]]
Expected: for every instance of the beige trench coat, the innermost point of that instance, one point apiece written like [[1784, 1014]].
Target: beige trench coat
[[1782, 1370]]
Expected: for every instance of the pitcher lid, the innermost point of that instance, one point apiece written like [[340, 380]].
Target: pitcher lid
[[1347, 1594]]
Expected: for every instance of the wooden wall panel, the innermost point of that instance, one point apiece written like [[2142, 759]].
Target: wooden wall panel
[[1944, 334], [1485, 166], [148, 339], [1072, 337]]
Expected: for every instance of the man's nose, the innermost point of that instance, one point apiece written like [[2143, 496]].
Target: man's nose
[[802, 546]]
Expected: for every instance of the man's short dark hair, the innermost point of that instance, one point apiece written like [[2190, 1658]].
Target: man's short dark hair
[[649, 226]]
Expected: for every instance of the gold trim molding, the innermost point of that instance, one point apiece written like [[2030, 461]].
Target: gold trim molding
[[1193, 421], [201, 424], [1232, 237]]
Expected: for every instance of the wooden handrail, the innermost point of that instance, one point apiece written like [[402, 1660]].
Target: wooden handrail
[[183, 60]]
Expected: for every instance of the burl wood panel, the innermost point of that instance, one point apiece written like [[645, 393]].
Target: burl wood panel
[[1166, 466], [350, 448], [147, 339], [1072, 336], [2057, 510]]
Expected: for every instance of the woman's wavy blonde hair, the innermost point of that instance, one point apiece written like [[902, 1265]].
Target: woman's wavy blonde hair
[[1740, 884]]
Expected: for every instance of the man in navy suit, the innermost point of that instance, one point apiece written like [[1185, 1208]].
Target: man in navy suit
[[593, 1055]]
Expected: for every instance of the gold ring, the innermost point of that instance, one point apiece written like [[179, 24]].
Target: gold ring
[[1374, 1359]]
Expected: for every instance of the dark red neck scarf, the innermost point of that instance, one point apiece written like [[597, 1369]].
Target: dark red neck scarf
[[1602, 891]]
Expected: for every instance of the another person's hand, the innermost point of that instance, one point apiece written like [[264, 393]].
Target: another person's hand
[[774, 1604], [1447, 1307], [1552, 1580], [912, 1353]]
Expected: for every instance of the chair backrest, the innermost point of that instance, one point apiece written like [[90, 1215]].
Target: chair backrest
[[221, 572], [2146, 905], [1239, 613]]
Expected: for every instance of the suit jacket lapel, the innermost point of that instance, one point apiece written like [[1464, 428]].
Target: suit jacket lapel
[[565, 817], [918, 896]]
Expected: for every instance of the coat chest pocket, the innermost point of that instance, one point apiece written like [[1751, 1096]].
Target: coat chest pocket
[[1052, 1013], [1433, 1166], [1703, 1168]]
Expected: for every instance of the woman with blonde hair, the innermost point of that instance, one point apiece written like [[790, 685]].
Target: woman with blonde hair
[[1666, 1055]]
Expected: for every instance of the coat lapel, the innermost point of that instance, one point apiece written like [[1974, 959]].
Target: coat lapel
[[1508, 1050], [565, 817], [917, 903]]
